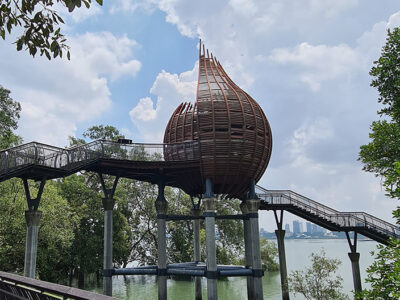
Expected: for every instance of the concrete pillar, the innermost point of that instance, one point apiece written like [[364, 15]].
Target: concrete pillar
[[196, 246], [280, 236], [252, 206], [32, 218], [161, 207], [209, 215], [108, 204], [247, 249], [355, 259]]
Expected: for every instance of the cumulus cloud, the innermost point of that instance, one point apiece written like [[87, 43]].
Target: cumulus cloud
[[318, 63], [143, 111], [57, 95], [170, 90]]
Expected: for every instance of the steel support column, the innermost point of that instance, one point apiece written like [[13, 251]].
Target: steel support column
[[196, 246], [108, 205], [247, 249], [209, 214], [32, 217], [252, 206], [161, 208], [355, 262], [280, 236]]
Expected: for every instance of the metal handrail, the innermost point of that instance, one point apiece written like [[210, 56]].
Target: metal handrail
[[340, 219], [34, 153]]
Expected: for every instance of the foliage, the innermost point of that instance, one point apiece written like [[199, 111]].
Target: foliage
[[229, 232], [9, 115], [384, 274], [103, 132], [386, 76], [40, 22], [269, 253], [55, 230], [382, 157], [317, 282]]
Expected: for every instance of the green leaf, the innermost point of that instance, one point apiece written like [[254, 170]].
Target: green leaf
[[100, 2], [19, 45], [69, 55], [47, 54]]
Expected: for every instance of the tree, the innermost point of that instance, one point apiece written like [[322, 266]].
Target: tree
[[40, 23], [382, 157], [317, 282], [9, 115], [84, 193], [55, 231], [269, 253]]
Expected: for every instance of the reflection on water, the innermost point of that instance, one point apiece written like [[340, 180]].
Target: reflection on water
[[297, 254]]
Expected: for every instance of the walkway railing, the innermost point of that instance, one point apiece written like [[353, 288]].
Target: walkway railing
[[17, 287], [75, 157], [343, 220]]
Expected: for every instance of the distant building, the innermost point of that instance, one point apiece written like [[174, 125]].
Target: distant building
[[297, 227], [262, 231], [314, 229], [309, 227], [287, 228]]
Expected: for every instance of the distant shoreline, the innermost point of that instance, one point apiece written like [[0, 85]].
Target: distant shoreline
[[334, 236]]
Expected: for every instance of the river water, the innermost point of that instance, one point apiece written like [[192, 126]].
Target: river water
[[297, 258]]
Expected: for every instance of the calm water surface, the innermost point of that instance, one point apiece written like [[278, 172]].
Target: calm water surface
[[297, 257]]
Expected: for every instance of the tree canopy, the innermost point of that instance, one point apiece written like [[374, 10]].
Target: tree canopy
[[318, 281], [40, 24], [382, 157], [9, 116]]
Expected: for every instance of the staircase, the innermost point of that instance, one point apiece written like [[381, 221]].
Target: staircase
[[324, 216]]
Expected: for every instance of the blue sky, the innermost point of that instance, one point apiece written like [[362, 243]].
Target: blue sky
[[306, 63]]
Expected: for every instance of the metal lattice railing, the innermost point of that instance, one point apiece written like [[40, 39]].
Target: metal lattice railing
[[75, 157], [340, 219]]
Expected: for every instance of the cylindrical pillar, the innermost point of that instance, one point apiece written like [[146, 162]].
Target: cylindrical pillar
[[196, 246], [280, 236], [32, 218], [355, 265], [247, 249], [161, 207], [209, 216], [252, 206], [108, 204]]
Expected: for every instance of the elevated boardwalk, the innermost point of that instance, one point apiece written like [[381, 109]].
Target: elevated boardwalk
[[179, 163], [176, 161]]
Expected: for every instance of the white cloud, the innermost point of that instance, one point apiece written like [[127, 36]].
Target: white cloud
[[170, 90], [83, 13], [57, 95], [318, 63], [306, 136], [143, 111], [105, 54]]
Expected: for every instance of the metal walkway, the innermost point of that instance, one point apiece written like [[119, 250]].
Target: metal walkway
[[143, 161], [324, 216], [137, 161]]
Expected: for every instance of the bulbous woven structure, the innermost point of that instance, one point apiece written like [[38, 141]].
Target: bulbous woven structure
[[233, 132]]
